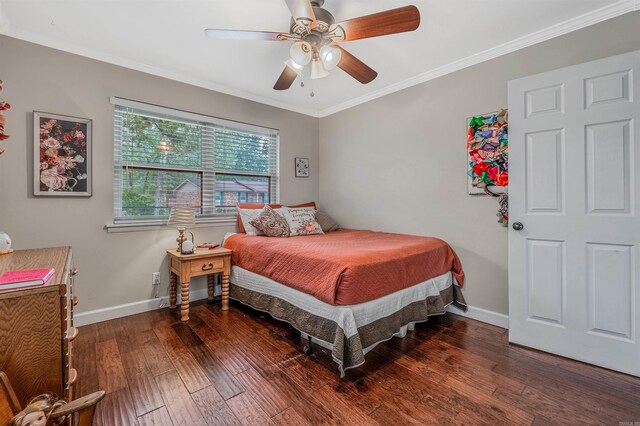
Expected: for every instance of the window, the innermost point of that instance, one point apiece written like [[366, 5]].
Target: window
[[165, 158]]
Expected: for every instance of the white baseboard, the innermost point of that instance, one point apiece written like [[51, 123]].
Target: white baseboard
[[113, 312], [479, 314], [125, 310]]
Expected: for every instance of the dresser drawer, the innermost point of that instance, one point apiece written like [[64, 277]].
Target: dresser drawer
[[204, 267]]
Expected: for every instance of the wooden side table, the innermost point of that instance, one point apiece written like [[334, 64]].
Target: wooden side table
[[201, 262]]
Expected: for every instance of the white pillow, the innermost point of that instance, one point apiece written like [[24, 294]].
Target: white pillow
[[246, 216], [301, 220]]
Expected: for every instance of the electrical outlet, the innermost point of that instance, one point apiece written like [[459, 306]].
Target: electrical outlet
[[155, 278]]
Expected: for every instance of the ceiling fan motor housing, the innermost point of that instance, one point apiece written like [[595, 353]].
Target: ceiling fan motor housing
[[324, 20]]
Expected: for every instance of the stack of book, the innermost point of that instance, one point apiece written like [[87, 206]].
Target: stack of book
[[12, 280]]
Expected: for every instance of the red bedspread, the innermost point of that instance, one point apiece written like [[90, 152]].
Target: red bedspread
[[346, 267]]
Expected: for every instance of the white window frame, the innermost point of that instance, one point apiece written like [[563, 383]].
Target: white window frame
[[207, 170]]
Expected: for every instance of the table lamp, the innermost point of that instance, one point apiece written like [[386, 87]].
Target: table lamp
[[181, 217]]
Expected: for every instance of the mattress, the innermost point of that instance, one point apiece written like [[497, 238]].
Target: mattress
[[346, 267], [348, 331]]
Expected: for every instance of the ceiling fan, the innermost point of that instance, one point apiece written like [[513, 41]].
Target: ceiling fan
[[316, 36]]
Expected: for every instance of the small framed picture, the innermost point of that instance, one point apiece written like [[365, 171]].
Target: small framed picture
[[61, 155], [302, 167]]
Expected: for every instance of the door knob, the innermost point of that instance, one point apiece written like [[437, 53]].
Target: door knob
[[518, 226]]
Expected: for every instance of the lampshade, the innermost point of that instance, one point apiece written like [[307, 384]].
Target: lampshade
[[294, 66], [182, 217], [330, 57], [300, 52], [317, 69]]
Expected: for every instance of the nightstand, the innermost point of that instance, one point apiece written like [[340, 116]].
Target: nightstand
[[201, 262]]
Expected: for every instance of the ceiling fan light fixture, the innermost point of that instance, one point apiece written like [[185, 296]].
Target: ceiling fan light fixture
[[318, 70], [301, 53], [297, 68], [330, 57]]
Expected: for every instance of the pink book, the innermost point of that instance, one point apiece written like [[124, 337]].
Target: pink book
[[29, 278]]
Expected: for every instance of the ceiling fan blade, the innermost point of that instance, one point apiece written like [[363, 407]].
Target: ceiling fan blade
[[245, 35], [301, 10], [355, 67], [392, 21], [286, 79]]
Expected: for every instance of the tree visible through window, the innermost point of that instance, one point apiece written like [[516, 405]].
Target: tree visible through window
[[162, 161]]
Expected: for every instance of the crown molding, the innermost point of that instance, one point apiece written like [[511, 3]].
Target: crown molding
[[607, 12], [616, 9], [148, 69]]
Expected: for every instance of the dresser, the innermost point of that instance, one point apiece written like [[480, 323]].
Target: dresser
[[36, 326]]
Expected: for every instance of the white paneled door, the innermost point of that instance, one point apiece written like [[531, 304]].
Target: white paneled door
[[574, 237]]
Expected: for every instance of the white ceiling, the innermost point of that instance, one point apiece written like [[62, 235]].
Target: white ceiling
[[166, 38]]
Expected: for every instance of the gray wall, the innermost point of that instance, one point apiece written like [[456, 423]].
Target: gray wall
[[398, 163], [114, 268], [394, 164]]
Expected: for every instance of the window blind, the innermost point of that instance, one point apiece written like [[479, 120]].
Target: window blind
[[165, 158]]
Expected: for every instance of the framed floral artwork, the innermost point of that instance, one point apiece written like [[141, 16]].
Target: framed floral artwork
[[62, 155], [302, 167]]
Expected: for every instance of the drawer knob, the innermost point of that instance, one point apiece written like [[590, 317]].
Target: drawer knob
[[72, 333], [207, 267], [74, 271], [73, 376]]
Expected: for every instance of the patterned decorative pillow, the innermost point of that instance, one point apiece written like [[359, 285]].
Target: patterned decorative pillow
[[302, 221], [246, 216], [271, 223], [327, 223], [252, 206]]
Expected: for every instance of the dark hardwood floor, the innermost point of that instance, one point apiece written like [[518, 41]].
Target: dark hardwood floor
[[242, 367]]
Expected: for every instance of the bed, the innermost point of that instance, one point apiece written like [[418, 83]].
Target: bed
[[346, 290]]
